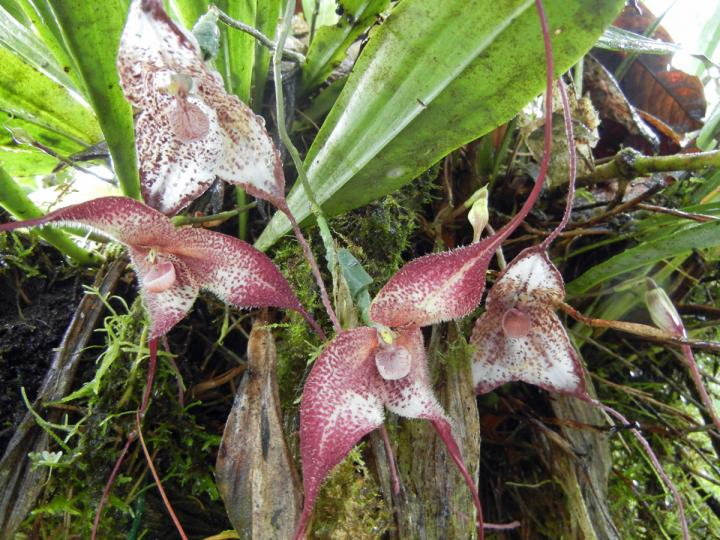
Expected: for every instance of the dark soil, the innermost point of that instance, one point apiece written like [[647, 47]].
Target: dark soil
[[32, 324]]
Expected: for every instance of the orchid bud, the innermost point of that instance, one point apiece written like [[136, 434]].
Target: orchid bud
[[662, 311], [20, 136], [478, 216]]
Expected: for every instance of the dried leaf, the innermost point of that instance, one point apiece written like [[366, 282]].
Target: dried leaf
[[255, 472]]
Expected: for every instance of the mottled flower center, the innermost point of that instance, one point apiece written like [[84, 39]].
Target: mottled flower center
[[516, 323], [393, 362], [188, 120], [160, 277]]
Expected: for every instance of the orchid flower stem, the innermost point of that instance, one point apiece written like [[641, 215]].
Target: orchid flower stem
[[699, 386], [655, 462], [262, 38], [221, 216], [295, 155], [108, 486], [515, 222], [152, 365], [390, 459], [572, 165], [158, 482], [642, 330]]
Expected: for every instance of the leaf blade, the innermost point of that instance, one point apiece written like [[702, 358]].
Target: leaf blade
[[391, 123]]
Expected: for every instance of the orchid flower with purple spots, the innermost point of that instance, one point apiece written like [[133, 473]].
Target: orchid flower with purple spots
[[359, 374], [189, 129], [520, 337], [174, 264]]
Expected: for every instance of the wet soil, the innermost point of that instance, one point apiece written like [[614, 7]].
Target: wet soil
[[32, 324]]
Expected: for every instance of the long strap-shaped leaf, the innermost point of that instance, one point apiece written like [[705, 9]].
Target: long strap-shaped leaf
[[433, 77], [92, 33]]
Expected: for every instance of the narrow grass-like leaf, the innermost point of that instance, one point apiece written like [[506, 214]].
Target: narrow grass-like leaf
[[703, 236], [433, 77], [330, 42], [92, 33]]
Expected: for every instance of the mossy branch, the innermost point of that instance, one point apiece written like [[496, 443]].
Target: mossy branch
[[16, 201], [629, 163]]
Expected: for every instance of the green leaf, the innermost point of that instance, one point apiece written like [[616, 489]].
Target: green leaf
[[266, 20], [40, 15], [619, 39], [24, 160], [16, 201], [330, 43], [30, 95], [702, 236], [323, 11], [92, 33], [16, 37], [433, 77]]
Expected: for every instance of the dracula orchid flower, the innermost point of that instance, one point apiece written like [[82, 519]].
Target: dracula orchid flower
[[173, 264], [189, 129], [520, 337], [359, 374]]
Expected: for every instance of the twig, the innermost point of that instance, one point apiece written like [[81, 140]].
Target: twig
[[637, 329], [629, 163], [262, 38], [221, 216], [297, 161], [702, 218]]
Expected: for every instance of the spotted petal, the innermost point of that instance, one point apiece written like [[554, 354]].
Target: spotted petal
[[519, 337], [175, 168], [251, 159], [120, 218], [412, 396], [152, 42], [435, 288], [342, 402], [233, 270]]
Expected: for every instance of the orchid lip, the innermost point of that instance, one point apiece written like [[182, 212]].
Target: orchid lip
[[392, 362], [516, 323], [160, 278]]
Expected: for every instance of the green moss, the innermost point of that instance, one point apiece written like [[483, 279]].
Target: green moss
[[350, 504], [381, 234]]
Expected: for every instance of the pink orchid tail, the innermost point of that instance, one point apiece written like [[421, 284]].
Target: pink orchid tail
[[390, 459], [444, 430], [515, 222], [697, 379], [656, 464]]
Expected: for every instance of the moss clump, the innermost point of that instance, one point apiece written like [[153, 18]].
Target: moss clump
[[350, 505], [381, 234]]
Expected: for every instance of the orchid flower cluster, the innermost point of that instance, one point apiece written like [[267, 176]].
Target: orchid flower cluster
[[190, 131]]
